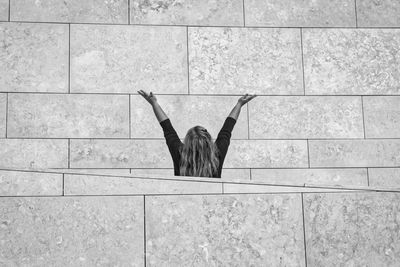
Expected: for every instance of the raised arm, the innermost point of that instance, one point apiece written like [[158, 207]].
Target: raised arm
[[242, 101]]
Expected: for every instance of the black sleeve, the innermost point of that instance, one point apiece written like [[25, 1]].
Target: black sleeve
[[224, 137], [171, 138]]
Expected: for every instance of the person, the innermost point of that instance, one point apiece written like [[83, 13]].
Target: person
[[198, 155]]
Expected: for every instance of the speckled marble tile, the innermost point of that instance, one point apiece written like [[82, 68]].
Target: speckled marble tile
[[155, 154], [186, 112], [231, 174], [189, 12], [348, 176], [68, 116], [351, 61], [356, 229], [124, 59], [18, 183], [3, 114], [103, 185], [384, 177], [125, 172], [234, 230], [33, 57], [33, 153], [266, 154], [73, 231], [382, 116], [383, 13], [4, 10], [291, 117], [88, 11], [293, 13], [355, 153], [244, 60]]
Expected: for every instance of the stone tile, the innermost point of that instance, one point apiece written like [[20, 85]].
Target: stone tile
[[256, 189], [384, 177], [33, 153], [18, 183], [68, 116], [33, 57], [186, 112], [72, 231], [92, 11], [355, 153], [384, 13], [352, 229], [280, 117], [124, 172], [245, 60], [103, 185], [3, 114], [340, 177], [231, 174], [351, 61], [155, 154], [382, 116], [293, 13], [267, 154], [191, 12], [125, 59], [236, 230], [4, 10]]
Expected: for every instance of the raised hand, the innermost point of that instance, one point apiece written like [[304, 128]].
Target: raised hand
[[151, 98], [246, 98]]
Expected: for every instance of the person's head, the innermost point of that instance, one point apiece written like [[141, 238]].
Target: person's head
[[199, 154]]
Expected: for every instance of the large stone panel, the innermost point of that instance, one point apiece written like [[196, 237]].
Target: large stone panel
[[352, 229], [125, 59], [352, 61], [384, 177], [280, 117], [294, 13], [72, 231], [34, 153], [33, 57], [88, 11], [186, 112], [3, 114], [355, 153], [68, 116], [191, 12], [384, 13], [235, 230], [245, 60]]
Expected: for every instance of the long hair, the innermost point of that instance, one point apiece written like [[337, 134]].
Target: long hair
[[199, 154]]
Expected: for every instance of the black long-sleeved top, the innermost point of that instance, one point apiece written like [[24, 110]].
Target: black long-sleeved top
[[222, 142]]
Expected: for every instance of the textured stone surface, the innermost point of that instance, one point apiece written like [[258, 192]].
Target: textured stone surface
[[155, 154], [382, 116], [78, 231], [188, 12], [33, 153], [385, 177], [68, 116], [355, 153], [124, 172], [231, 174], [248, 189], [3, 114], [88, 11], [280, 117], [224, 230], [293, 13], [358, 229], [245, 60], [103, 185], [4, 10], [124, 59], [352, 61], [33, 57], [311, 176], [383, 13], [18, 183], [186, 112]]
